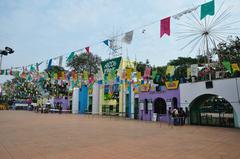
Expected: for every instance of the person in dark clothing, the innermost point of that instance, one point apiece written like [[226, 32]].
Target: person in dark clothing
[[182, 116]]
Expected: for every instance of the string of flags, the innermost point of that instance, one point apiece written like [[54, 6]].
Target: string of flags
[[165, 28]]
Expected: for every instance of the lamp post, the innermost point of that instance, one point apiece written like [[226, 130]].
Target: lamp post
[[5, 52]]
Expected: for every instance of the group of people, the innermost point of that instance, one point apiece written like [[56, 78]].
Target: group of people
[[47, 108], [177, 115]]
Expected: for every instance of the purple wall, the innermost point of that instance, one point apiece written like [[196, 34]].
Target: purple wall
[[165, 94], [64, 103]]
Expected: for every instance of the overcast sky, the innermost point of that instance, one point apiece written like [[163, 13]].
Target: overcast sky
[[42, 29]]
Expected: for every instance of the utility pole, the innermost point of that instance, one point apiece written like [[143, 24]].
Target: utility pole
[[5, 52]]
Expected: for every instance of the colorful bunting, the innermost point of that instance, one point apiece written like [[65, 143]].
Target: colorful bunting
[[165, 26], [207, 9]]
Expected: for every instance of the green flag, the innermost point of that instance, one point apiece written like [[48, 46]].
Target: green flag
[[70, 57], [227, 66], [154, 73], [32, 69], [207, 9]]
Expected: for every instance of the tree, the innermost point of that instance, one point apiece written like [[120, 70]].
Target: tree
[[85, 62], [229, 51], [140, 66]]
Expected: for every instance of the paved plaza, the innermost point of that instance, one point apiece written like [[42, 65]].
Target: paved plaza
[[29, 135]]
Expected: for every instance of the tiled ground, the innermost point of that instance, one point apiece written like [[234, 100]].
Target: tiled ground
[[28, 135]]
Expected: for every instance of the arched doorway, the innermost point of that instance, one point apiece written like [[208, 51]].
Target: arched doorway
[[160, 106], [213, 110]]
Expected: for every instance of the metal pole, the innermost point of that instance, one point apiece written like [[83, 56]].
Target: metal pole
[[1, 56], [210, 78]]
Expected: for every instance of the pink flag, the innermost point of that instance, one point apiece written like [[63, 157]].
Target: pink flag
[[147, 72], [165, 26], [87, 49]]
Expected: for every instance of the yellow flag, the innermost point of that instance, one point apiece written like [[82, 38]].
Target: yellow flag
[[55, 76], [128, 73], [85, 75], [170, 70], [235, 67], [139, 76], [63, 75]]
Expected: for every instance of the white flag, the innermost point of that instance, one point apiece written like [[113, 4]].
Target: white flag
[[128, 37]]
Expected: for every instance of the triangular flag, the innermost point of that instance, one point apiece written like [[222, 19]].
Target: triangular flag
[[70, 57], [207, 9], [128, 37], [87, 49], [165, 26], [106, 42]]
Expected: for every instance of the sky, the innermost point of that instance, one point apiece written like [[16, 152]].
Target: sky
[[43, 29]]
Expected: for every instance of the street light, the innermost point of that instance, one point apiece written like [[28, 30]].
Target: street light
[[5, 52]]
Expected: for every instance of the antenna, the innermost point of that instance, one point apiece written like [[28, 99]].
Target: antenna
[[115, 50]]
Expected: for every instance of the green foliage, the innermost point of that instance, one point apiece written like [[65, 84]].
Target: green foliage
[[229, 51], [85, 62]]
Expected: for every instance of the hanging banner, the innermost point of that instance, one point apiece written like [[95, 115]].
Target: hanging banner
[[172, 85], [165, 26], [147, 72], [128, 73], [139, 76], [109, 65], [207, 9], [170, 70]]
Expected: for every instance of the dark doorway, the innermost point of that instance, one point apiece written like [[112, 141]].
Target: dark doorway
[[212, 110], [160, 106]]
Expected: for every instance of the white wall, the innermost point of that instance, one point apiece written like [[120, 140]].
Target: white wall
[[75, 101], [95, 101], [227, 88]]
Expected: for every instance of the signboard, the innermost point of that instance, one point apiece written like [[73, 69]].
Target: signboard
[[109, 65], [141, 106], [150, 107], [144, 88], [172, 85]]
